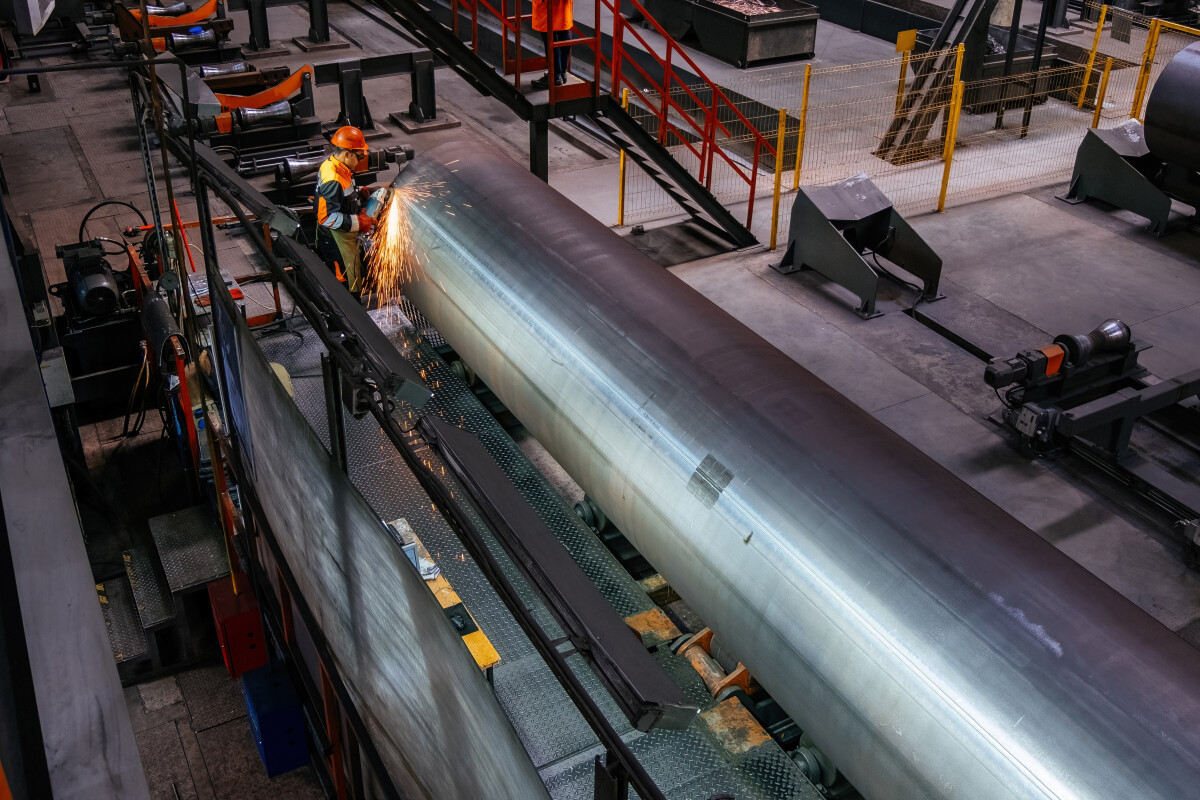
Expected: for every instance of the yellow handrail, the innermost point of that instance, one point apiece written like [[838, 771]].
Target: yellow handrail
[[1087, 71], [803, 128], [951, 134], [778, 174]]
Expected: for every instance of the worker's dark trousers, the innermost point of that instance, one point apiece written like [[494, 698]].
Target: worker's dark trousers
[[327, 249], [340, 252], [562, 55]]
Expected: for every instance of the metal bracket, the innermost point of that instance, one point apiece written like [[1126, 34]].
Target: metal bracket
[[833, 226], [611, 782], [1113, 166], [424, 100], [355, 110], [260, 34]]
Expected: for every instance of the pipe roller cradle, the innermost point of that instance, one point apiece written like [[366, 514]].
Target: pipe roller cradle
[[933, 646]]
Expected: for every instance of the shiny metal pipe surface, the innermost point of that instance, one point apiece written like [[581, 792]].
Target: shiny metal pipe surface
[[933, 646]]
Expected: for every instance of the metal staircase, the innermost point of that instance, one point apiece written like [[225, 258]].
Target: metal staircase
[[656, 161], [587, 99]]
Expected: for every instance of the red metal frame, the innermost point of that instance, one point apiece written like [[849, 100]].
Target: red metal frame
[[703, 122]]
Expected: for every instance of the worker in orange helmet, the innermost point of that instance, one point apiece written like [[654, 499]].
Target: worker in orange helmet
[[554, 18], [337, 203]]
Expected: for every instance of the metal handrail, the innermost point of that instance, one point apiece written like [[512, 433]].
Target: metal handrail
[[707, 120]]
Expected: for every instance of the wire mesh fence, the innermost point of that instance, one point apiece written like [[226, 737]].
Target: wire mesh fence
[[890, 120]]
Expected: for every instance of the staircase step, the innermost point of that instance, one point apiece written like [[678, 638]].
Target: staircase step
[[190, 546], [151, 595], [125, 632]]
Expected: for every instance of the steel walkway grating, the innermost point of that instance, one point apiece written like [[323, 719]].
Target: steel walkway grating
[[688, 765]]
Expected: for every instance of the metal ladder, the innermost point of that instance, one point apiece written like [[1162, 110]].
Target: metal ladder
[[604, 111], [656, 161]]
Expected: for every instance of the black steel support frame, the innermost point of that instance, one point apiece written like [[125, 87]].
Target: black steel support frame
[[1115, 414], [260, 31], [921, 107], [816, 242], [1039, 46], [424, 97], [1103, 173], [328, 73], [1014, 30], [365, 355], [318, 17], [354, 108]]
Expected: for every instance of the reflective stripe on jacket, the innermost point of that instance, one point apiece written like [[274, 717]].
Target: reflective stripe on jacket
[[335, 200], [563, 16]]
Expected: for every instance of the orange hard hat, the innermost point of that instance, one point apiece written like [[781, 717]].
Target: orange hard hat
[[348, 137]]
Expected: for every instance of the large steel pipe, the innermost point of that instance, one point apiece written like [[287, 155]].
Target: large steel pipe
[[1173, 113], [933, 646]]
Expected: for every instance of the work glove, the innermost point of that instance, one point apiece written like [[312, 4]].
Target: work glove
[[364, 193], [365, 223]]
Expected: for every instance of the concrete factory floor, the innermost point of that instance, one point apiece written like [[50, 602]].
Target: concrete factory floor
[[1018, 270]]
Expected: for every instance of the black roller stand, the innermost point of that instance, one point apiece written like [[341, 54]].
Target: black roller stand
[[319, 37], [355, 110], [422, 114], [260, 45], [354, 107], [318, 21]]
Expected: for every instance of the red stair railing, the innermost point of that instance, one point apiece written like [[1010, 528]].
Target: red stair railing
[[515, 62], [699, 137], [705, 133]]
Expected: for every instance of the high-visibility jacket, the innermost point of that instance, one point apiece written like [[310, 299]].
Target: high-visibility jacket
[[563, 15], [335, 200]]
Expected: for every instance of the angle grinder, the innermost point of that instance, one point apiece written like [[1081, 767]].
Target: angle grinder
[[378, 201]]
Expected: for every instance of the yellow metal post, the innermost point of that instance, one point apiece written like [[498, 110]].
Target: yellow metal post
[[905, 42], [803, 128], [778, 174], [1102, 92], [621, 187], [900, 82], [951, 133], [962, 48], [1091, 62], [1135, 112]]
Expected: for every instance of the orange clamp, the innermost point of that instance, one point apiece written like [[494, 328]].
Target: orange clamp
[[280, 91], [1054, 358], [204, 12]]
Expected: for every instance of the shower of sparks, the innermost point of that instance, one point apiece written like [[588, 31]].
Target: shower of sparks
[[390, 264]]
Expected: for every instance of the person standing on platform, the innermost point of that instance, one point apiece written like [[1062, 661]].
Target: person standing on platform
[[337, 203], [554, 18]]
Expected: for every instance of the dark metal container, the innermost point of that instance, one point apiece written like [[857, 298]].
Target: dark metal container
[[789, 31], [675, 16]]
